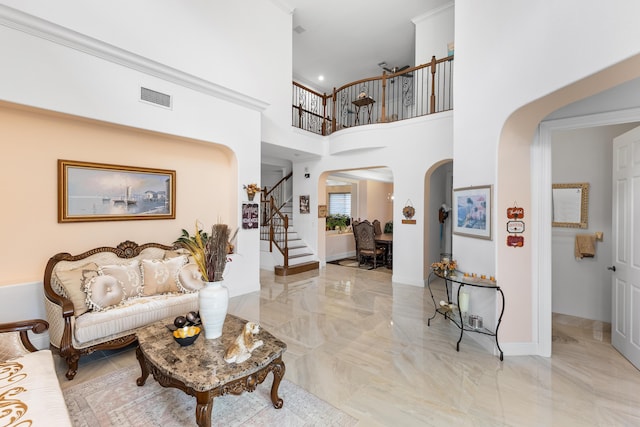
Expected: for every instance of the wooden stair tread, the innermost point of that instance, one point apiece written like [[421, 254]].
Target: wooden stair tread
[[298, 268]]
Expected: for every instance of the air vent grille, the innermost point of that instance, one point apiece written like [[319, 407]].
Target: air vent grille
[[155, 97]]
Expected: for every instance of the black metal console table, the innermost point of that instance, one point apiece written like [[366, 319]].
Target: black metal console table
[[456, 315]]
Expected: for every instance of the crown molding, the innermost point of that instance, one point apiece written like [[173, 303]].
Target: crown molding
[[433, 12], [283, 5], [37, 27]]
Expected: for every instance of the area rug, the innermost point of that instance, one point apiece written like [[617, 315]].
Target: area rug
[[353, 262], [115, 400]]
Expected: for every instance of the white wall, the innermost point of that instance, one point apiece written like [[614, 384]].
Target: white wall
[[583, 287], [434, 31], [500, 88], [89, 60], [409, 148]]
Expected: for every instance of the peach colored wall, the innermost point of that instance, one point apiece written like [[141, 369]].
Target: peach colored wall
[[378, 207], [33, 140]]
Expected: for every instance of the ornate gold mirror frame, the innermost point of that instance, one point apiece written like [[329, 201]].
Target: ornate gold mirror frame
[[571, 205]]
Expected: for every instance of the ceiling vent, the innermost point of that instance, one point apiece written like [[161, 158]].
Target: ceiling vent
[[154, 97]]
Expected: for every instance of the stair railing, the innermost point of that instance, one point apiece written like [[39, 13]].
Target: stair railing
[[278, 223], [278, 232]]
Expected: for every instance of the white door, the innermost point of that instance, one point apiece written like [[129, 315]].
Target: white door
[[625, 322]]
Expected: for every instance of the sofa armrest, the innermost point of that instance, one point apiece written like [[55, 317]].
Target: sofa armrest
[[14, 338]]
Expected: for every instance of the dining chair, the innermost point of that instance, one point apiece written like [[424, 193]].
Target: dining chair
[[377, 229], [366, 245]]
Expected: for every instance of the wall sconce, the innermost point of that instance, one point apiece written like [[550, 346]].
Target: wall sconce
[[390, 197]]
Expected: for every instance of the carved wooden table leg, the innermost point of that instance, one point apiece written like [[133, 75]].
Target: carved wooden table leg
[[204, 408], [278, 373], [143, 367]]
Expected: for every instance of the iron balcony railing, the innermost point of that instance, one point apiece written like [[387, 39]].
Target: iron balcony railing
[[413, 92]]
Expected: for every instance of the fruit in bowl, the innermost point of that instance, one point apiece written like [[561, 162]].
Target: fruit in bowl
[[186, 335]]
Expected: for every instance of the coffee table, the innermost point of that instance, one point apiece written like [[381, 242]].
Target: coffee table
[[200, 370]]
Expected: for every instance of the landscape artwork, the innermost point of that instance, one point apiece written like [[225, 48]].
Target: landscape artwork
[[104, 192]]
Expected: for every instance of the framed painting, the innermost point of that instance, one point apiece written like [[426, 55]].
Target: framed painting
[[250, 215], [472, 211], [104, 192], [304, 205]]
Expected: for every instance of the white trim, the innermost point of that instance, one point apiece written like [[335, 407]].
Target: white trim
[[432, 12], [541, 202], [46, 30], [518, 349]]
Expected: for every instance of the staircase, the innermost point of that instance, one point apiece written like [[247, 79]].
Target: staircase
[[292, 256]]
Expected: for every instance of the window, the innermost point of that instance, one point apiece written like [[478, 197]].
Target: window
[[340, 203]]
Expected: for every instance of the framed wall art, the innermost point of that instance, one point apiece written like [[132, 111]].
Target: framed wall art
[[472, 211], [571, 205], [250, 215], [104, 192], [304, 205]]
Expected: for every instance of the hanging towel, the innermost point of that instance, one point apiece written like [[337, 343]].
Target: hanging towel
[[585, 246]]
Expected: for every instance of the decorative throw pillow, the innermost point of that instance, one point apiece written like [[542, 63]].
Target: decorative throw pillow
[[189, 279], [129, 276], [104, 292], [73, 283], [159, 276]]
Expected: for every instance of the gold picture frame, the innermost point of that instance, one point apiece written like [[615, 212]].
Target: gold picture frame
[[570, 205], [103, 192]]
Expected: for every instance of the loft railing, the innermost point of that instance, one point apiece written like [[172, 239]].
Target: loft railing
[[413, 92]]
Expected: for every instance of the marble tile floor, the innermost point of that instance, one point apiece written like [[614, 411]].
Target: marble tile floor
[[363, 345]]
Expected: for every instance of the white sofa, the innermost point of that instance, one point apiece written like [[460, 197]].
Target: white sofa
[[30, 392], [97, 300]]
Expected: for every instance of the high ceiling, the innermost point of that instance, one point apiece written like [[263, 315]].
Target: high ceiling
[[345, 40]]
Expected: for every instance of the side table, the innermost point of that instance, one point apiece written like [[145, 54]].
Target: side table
[[456, 315], [363, 102]]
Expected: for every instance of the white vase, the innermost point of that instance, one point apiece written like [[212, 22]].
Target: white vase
[[213, 300]]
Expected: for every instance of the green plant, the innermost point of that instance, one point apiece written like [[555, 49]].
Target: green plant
[[337, 220]]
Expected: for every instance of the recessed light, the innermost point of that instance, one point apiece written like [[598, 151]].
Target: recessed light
[[321, 77]]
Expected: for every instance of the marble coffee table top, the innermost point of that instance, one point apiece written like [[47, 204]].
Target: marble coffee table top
[[201, 365]]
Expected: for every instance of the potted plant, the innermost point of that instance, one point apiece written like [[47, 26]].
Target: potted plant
[[338, 222], [252, 189]]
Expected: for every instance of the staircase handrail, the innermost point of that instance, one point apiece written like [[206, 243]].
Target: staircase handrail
[[276, 218]]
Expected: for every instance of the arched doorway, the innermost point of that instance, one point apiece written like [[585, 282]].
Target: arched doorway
[[370, 196], [528, 181], [438, 184]]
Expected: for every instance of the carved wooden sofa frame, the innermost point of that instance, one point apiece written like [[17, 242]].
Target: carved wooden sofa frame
[[56, 304]]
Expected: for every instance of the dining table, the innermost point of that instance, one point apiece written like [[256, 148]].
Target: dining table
[[386, 240]]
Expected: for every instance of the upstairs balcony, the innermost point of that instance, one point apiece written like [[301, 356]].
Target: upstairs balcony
[[405, 94]]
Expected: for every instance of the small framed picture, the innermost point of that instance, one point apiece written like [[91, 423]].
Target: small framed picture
[[304, 204], [472, 211], [322, 211], [250, 215]]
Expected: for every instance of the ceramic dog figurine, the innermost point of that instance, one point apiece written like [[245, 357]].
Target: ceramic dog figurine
[[242, 347]]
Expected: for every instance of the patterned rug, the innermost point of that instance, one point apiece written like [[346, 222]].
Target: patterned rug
[[353, 262], [115, 400]]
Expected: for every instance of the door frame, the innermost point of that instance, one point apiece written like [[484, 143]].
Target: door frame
[[542, 212]]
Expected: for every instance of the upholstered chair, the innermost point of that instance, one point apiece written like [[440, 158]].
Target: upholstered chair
[[365, 243]]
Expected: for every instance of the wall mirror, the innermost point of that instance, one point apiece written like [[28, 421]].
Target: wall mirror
[[571, 205]]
